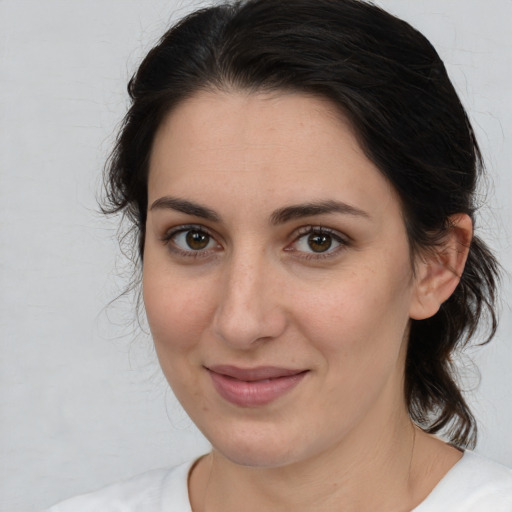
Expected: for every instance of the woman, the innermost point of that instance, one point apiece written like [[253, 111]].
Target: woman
[[300, 175]]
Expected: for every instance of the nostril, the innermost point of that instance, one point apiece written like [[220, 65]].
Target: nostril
[[244, 325], [247, 309]]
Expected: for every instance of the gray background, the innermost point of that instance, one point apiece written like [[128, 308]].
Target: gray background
[[82, 402]]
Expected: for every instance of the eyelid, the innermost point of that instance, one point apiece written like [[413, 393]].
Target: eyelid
[[343, 240], [313, 228], [169, 233], [167, 237], [340, 238]]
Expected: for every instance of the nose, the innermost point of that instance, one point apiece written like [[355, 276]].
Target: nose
[[249, 308]]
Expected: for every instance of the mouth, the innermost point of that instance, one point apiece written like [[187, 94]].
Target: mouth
[[253, 387]]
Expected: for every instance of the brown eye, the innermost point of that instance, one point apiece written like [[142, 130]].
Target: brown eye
[[196, 240], [192, 240], [319, 242]]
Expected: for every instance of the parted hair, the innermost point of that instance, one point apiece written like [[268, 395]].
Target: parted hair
[[389, 82]]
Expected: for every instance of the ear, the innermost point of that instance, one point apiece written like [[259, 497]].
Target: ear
[[439, 270]]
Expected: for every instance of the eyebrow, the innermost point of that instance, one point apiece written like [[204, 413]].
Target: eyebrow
[[280, 216], [184, 206], [316, 208]]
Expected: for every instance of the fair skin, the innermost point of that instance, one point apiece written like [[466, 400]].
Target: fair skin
[[273, 242]]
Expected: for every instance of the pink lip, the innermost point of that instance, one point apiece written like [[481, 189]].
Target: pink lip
[[251, 387]]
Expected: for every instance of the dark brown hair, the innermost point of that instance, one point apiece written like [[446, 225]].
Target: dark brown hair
[[391, 84]]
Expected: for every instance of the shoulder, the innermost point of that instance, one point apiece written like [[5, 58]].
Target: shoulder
[[155, 491], [474, 484]]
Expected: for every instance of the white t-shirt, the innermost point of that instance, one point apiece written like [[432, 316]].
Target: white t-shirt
[[474, 484]]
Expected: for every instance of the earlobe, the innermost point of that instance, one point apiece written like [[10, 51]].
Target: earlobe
[[438, 272]]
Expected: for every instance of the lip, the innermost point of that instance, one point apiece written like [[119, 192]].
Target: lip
[[253, 387]]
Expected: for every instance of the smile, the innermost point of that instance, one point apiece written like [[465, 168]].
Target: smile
[[253, 387]]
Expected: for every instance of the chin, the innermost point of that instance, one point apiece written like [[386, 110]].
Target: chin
[[255, 457], [261, 447]]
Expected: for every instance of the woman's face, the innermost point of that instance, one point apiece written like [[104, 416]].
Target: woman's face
[[277, 276]]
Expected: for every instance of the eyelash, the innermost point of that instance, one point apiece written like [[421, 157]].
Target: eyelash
[[337, 237], [167, 239], [342, 241]]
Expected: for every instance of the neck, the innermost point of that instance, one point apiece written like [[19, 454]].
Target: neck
[[371, 469]]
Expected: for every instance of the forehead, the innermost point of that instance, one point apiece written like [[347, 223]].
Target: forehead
[[225, 121], [297, 147]]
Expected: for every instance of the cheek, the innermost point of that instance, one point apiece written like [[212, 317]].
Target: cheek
[[358, 319], [176, 313], [177, 317], [357, 331]]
